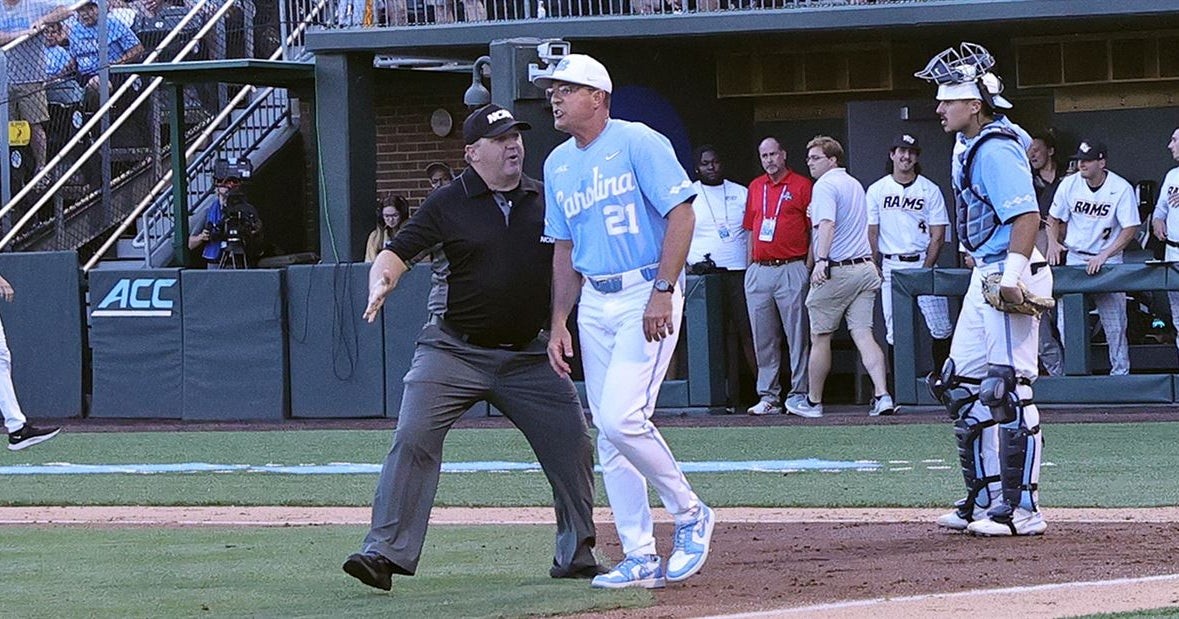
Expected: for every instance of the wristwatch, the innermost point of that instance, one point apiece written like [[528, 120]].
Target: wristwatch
[[662, 285]]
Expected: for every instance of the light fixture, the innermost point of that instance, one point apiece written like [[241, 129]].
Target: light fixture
[[478, 95]]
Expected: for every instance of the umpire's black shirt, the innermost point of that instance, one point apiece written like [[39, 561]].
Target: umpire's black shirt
[[500, 272]]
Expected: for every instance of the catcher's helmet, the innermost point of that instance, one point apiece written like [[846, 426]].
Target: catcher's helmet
[[964, 73]]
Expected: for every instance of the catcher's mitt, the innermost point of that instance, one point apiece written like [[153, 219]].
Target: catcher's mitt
[[1032, 305]]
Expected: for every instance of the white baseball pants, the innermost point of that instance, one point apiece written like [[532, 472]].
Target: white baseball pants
[[935, 309], [14, 419], [623, 373], [1111, 309]]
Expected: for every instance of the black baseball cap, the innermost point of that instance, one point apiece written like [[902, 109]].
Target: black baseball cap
[[905, 140], [489, 121], [1090, 150]]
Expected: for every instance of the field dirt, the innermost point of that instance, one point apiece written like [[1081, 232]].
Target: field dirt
[[818, 562]]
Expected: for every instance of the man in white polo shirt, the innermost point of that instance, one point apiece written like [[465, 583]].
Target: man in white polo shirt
[[844, 280]]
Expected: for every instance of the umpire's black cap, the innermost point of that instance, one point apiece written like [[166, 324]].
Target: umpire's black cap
[[905, 140], [489, 121]]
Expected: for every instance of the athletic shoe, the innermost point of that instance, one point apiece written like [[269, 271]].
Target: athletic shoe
[[804, 408], [28, 436], [882, 406], [691, 545], [1020, 522], [644, 571], [960, 518], [371, 569], [765, 407]]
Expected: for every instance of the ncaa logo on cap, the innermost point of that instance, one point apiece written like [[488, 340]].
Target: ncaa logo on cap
[[499, 114]]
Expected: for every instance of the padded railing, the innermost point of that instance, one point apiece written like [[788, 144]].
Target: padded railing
[[1070, 284]]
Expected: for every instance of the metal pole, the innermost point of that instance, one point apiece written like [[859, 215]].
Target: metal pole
[[6, 167], [104, 95], [179, 178]]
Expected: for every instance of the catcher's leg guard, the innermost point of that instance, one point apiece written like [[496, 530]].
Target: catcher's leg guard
[[976, 445], [997, 392]]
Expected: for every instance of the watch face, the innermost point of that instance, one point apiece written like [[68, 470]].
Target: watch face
[[662, 285]]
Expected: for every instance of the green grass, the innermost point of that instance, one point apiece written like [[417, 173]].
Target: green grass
[[1154, 613], [288, 572], [1092, 465]]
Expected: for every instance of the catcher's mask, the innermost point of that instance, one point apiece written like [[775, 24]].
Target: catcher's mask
[[964, 73]]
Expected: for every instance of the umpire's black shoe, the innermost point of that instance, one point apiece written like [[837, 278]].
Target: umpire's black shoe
[[371, 569], [585, 571], [28, 436]]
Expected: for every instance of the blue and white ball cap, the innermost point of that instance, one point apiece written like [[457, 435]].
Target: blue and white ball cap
[[577, 69]]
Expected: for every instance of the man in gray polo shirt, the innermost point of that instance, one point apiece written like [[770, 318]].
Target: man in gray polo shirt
[[844, 280]]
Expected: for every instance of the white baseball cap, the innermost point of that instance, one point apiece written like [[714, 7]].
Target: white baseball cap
[[577, 69]]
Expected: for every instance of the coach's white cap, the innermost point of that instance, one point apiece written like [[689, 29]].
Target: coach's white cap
[[970, 90], [577, 69]]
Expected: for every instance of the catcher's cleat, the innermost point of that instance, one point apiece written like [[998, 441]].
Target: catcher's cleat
[[961, 517], [1020, 522]]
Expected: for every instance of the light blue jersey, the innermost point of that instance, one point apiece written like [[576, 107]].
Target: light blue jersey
[[612, 197], [1001, 188]]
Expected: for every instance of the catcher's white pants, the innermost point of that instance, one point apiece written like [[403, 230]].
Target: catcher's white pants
[[935, 309], [14, 419], [986, 336], [1111, 309], [623, 373]]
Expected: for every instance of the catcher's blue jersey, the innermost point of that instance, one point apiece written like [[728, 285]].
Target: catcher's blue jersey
[[1001, 189], [612, 197]]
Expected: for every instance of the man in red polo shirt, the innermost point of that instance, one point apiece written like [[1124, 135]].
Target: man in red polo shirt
[[776, 281]]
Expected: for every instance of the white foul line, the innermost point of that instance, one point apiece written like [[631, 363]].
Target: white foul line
[[835, 606]]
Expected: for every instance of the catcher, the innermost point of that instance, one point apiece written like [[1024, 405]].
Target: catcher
[[986, 384]]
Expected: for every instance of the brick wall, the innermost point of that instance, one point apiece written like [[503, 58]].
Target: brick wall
[[405, 141]]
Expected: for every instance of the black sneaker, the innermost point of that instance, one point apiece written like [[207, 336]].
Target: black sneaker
[[585, 571], [371, 569], [28, 436]]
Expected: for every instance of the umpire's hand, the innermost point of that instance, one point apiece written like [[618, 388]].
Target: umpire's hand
[[378, 289]]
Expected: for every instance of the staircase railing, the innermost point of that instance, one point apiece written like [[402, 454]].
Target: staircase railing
[[103, 139], [155, 211]]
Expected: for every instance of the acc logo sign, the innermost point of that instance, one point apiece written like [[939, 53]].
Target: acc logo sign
[[136, 297]]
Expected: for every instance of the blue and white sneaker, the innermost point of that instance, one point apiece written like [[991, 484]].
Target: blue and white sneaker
[[644, 571], [691, 545]]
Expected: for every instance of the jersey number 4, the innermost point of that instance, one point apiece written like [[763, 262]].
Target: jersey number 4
[[620, 219]]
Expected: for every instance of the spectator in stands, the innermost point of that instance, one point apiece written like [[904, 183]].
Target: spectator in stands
[[61, 86], [26, 66], [1046, 178], [20, 433], [391, 216], [440, 174], [720, 245], [122, 47], [844, 281], [776, 281], [232, 232]]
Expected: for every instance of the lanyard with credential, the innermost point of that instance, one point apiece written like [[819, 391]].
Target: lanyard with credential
[[724, 204], [765, 192]]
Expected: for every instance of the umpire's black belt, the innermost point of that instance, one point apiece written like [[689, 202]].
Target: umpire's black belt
[[904, 257], [449, 329]]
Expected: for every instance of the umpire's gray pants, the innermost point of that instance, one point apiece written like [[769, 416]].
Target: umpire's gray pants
[[446, 378], [776, 297]]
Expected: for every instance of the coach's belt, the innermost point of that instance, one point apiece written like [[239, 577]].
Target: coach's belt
[[1077, 251], [777, 262], [613, 283], [904, 257], [850, 261], [449, 329]]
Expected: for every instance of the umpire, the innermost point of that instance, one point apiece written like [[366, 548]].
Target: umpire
[[484, 342]]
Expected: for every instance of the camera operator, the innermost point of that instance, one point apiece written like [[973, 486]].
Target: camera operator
[[232, 234]]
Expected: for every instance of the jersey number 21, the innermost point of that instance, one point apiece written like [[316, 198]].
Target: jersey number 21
[[620, 219]]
